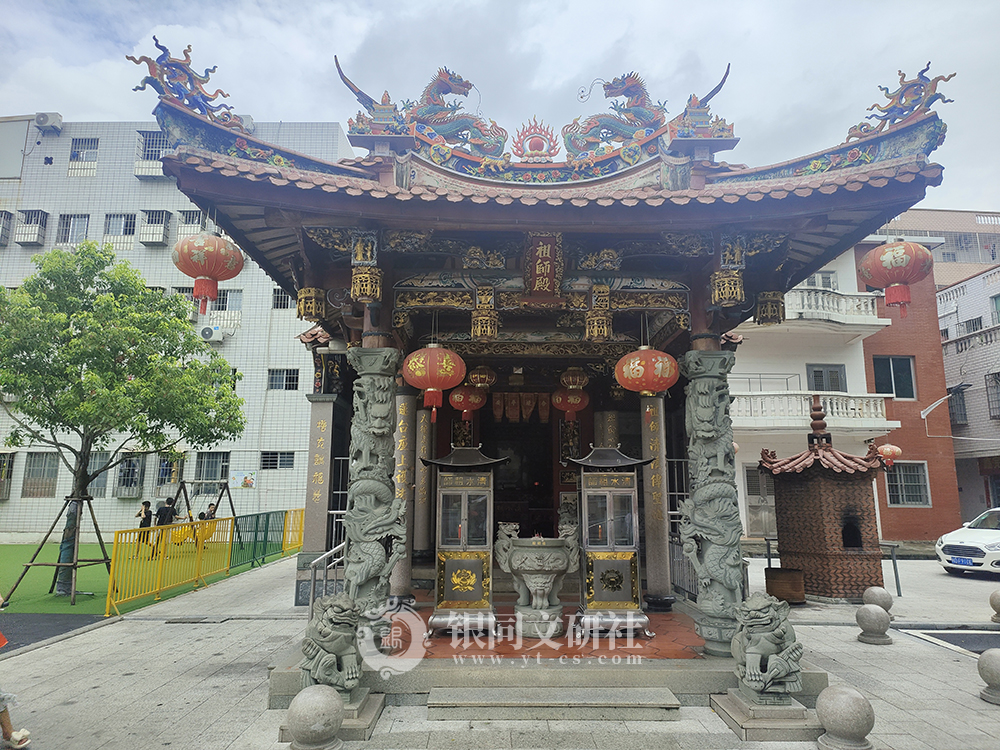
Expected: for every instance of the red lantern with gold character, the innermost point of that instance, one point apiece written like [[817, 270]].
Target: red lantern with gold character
[[647, 371], [208, 259], [893, 267], [467, 399], [433, 369], [889, 453], [570, 400]]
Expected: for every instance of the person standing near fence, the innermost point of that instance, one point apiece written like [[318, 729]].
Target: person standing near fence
[[145, 516], [166, 514], [17, 739]]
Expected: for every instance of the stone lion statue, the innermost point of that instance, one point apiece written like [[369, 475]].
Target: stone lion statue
[[330, 648], [766, 652]]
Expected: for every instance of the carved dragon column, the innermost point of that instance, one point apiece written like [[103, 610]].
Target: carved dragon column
[[375, 522], [399, 583], [710, 518]]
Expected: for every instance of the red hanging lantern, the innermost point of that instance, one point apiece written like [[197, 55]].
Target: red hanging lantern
[[647, 371], [893, 267], [433, 369], [889, 453], [570, 400], [467, 399], [208, 259]]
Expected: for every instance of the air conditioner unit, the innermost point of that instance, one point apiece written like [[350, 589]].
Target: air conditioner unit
[[211, 333], [49, 122]]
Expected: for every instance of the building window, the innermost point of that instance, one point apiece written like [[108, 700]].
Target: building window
[[131, 472], [72, 229], [944, 334], [6, 223], [211, 470], [956, 408], [970, 326], [993, 394], [282, 380], [949, 257], [229, 300], [193, 219], [894, 376], [83, 157], [31, 229], [6, 471], [822, 280], [40, 472], [157, 218], [277, 460], [98, 486], [907, 482], [827, 377], [995, 309], [168, 472], [151, 145], [119, 225], [280, 299]]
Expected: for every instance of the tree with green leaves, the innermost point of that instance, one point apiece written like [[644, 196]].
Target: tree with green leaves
[[91, 359]]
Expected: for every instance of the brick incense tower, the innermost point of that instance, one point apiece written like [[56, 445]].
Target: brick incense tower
[[825, 513]]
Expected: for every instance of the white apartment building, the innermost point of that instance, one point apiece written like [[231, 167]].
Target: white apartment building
[[969, 318], [63, 182], [818, 349]]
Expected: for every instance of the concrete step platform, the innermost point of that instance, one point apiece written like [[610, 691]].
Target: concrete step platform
[[535, 703]]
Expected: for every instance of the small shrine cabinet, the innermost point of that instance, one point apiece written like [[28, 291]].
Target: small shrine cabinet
[[611, 579], [463, 597]]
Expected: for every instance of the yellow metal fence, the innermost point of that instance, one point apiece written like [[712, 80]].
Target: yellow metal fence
[[147, 562], [292, 538]]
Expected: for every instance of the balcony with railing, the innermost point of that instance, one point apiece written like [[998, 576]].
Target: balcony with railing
[[858, 415], [835, 308]]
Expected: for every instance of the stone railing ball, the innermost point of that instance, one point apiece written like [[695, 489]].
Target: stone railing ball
[[874, 622], [879, 596], [314, 718], [847, 716], [995, 604], [989, 670]]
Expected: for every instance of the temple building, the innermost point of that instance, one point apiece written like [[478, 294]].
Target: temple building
[[451, 249]]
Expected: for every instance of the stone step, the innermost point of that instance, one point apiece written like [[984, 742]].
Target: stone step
[[539, 703]]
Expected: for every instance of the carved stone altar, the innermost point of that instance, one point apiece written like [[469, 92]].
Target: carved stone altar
[[538, 566], [710, 526]]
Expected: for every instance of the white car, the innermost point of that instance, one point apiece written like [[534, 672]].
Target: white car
[[975, 546]]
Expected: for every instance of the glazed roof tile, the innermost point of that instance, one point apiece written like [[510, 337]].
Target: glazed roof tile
[[605, 193], [827, 456]]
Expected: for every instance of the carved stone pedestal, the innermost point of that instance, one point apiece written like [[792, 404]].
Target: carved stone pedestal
[[755, 722], [539, 623]]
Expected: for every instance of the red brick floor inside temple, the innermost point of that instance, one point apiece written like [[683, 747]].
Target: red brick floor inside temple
[[674, 638]]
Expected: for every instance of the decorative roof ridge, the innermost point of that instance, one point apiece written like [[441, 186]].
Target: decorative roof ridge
[[828, 457], [820, 449], [291, 173], [650, 165]]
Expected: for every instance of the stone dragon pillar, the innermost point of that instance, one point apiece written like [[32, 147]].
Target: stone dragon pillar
[[375, 522], [710, 526]]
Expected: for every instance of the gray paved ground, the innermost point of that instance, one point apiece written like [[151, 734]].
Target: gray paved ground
[[154, 678]]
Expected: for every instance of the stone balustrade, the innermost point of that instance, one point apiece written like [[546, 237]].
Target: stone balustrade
[[832, 305], [791, 409]]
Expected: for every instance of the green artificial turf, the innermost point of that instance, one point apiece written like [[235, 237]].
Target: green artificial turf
[[32, 594]]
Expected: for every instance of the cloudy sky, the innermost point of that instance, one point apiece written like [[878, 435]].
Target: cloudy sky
[[802, 72]]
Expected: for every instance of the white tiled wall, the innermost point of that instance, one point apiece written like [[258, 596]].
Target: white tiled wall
[[264, 339]]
